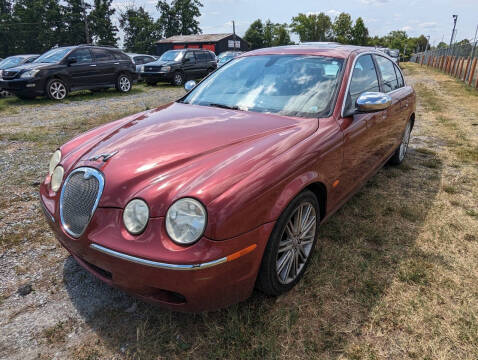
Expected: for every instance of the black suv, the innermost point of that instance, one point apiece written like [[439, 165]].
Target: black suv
[[177, 66], [64, 69]]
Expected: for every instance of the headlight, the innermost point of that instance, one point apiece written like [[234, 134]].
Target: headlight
[[135, 216], [29, 74], [166, 68], [186, 221], [54, 161], [141, 69], [57, 178], [1, 72]]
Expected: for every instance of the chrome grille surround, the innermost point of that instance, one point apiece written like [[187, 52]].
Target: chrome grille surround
[[79, 199]]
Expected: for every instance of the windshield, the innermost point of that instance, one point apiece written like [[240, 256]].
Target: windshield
[[11, 62], [291, 85], [172, 55], [225, 59], [53, 55]]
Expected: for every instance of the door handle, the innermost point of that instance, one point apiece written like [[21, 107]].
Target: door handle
[[116, 63], [93, 65]]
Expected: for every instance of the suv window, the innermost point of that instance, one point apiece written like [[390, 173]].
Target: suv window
[[202, 56], [102, 55], [138, 60], [364, 78], [389, 77], [121, 56], [82, 56], [190, 55], [401, 82]]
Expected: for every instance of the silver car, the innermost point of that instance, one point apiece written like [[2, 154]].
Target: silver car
[[139, 60]]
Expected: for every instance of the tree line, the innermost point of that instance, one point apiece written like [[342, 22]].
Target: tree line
[[321, 27], [34, 26]]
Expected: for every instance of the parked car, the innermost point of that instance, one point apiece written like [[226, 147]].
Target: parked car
[[196, 202], [139, 60], [14, 61], [64, 69], [226, 56], [393, 53], [177, 66]]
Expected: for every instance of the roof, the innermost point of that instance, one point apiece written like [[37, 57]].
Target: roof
[[194, 38], [323, 49]]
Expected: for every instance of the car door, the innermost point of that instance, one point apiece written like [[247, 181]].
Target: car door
[[389, 126], [358, 129], [190, 65], [106, 65], [81, 70]]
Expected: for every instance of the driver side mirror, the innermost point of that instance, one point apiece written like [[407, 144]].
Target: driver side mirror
[[185, 60], [71, 61], [373, 101]]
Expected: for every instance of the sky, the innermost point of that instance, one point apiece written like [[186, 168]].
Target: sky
[[416, 17]]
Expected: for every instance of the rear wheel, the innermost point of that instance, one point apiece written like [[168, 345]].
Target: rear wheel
[[290, 245], [401, 151], [56, 89], [123, 83]]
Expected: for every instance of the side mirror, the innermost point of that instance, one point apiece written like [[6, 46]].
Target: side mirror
[[185, 60], [71, 61], [191, 84], [373, 101]]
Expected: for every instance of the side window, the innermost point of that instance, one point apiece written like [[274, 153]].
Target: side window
[[82, 56], [102, 55], [201, 56], [389, 77], [364, 78], [401, 82], [138, 60], [190, 55], [148, 59]]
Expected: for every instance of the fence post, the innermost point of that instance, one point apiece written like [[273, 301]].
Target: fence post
[[452, 66], [472, 72]]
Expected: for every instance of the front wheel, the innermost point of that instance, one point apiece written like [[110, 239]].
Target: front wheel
[[401, 151], [123, 83], [290, 245], [178, 78], [56, 89]]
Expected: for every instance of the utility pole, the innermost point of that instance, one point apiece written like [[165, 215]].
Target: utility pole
[[455, 19], [234, 33], [428, 43], [87, 33]]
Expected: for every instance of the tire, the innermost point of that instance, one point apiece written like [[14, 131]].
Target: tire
[[56, 89], [178, 78], [123, 83], [401, 151], [278, 273]]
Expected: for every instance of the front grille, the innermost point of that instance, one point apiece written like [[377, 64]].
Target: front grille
[[152, 68], [79, 198]]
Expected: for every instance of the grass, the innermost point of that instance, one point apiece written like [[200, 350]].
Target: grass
[[394, 275]]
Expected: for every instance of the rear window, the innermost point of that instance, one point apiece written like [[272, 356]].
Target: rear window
[[102, 55]]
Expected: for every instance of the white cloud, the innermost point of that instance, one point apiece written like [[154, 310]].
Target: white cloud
[[374, 2], [333, 12], [429, 25], [406, 28]]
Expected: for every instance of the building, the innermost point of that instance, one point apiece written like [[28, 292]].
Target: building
[[214, 42]]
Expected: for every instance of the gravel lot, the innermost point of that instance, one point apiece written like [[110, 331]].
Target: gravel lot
[[46, 299]]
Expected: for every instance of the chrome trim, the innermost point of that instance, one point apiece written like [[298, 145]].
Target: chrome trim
[[101, 184], [352, 70], [157, 264]]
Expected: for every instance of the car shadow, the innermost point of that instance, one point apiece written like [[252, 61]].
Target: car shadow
[[366, 246]]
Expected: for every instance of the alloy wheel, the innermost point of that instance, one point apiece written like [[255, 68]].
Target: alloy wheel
[[57, 90], [296, 243], [124, 84], [405, 140], [178, 79]]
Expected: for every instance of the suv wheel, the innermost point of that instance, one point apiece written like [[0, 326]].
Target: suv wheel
[[178, 78], [123, 83], [56, 89]]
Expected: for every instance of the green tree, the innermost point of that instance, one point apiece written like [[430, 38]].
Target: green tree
[[6, 33], [74, 22], [140, 30], [442, 45], [342, 28], [103, 31], [359, 33], [312, 27], [180, 17], [255, 35], [281, 35]]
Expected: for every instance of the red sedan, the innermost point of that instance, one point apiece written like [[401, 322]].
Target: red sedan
[[195, 203]]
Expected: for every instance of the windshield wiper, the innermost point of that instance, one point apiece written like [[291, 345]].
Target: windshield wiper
[[222, 106]]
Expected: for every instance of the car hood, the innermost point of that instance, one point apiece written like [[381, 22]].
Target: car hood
[[184, 150], [32, 66], [162, 63]]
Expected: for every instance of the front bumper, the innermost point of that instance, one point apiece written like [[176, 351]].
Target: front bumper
[[204, 276], [30, 86], [156, 76]]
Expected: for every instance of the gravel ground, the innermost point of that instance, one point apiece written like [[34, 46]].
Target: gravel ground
[[46, 299]]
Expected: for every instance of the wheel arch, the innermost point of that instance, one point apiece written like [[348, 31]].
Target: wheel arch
[[412, 119]]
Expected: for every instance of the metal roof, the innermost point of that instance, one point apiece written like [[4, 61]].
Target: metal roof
[[194, 38]]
